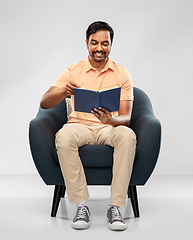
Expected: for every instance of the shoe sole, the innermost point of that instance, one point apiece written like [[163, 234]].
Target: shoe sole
[[80, 225], [116, 226]]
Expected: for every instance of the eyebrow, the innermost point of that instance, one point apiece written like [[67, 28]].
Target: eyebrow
[[106, 41]]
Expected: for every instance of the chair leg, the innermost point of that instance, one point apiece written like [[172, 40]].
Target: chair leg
[[63, 192], [59, 192], [132, 194]]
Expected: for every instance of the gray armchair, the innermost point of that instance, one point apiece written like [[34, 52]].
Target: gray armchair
[[97, 159]]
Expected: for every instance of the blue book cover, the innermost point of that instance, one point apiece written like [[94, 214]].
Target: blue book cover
[[86, 100]]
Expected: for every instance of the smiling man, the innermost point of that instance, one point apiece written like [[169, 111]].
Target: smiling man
[[98, 127], [99, 46]]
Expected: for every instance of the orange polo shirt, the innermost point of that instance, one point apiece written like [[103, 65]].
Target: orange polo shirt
[[83, 73]]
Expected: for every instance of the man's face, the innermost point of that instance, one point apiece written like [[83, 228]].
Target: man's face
[[99, 46]]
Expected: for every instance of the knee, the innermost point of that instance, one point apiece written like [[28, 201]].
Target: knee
[[126, 134], [65, 137]]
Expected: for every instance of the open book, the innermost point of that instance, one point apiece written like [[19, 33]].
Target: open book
[[86, 100]]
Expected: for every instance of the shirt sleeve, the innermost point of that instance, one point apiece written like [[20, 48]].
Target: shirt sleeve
[[63, 79]]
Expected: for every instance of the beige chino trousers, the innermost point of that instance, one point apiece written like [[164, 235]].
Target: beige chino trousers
[[74, 135]]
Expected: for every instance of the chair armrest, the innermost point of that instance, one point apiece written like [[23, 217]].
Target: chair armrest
[[148, 132], [42, 130]]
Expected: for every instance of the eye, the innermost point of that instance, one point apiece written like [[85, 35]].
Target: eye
[[105, 44], [93, 43]]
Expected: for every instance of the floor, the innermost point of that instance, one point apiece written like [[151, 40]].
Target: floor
[[166, 211]]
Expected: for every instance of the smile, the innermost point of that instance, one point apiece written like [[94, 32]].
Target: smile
[[99, 54]]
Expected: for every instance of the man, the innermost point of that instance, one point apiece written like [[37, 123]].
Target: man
[[98, 127]]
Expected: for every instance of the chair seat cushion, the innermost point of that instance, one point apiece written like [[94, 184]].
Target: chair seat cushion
[[94, 155]]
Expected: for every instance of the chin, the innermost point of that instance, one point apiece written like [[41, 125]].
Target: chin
[[99, 59]]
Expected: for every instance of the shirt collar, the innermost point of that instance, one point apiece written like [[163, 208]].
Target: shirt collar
[[109, 65]]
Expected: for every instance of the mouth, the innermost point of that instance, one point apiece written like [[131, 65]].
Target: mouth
[[99, 54]]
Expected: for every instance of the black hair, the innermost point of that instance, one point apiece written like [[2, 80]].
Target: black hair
[[98, 26]]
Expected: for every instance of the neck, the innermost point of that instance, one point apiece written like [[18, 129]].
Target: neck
[[98, 65]]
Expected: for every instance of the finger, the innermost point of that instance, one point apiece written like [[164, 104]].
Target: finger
[[100, 112], [104, 110], [74, 85], [96, 114], [71, 85], [69, 89]]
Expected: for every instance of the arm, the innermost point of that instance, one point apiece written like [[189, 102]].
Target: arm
[[54, 95], [123, 118]]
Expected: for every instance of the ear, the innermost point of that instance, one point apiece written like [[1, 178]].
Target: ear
[[86, 41]]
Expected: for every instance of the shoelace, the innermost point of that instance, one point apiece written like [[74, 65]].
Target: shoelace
[[82, 212], [116, 215]]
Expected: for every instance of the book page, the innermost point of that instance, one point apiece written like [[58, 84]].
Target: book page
[[101, 90]]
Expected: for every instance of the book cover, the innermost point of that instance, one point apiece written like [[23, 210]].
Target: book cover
[[86, 100]]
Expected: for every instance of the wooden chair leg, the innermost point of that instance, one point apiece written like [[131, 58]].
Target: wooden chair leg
[[132, 194], [59, 192]]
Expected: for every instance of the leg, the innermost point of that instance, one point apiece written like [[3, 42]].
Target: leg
[[58, 192], [68, 140], [123, 140], [132, 193]]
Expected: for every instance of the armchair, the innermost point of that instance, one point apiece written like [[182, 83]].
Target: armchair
[[98, 171]]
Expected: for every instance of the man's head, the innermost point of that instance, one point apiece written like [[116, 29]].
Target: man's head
[[98, 26], [99, 38]]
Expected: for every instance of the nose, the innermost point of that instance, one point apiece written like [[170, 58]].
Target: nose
[[99, 47]]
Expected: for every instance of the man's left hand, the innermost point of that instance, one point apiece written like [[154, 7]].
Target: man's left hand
[[103, 115]]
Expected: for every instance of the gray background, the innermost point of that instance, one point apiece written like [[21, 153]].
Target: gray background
[[153, 39]]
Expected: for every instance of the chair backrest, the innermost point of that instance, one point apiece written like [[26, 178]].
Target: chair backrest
[[142, 103], [141, 106]]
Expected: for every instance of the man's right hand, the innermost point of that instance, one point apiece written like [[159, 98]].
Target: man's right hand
[[69, 89], [54, 95]]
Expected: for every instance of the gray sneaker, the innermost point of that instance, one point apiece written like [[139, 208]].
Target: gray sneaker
[[81, 220], [115, 219]]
